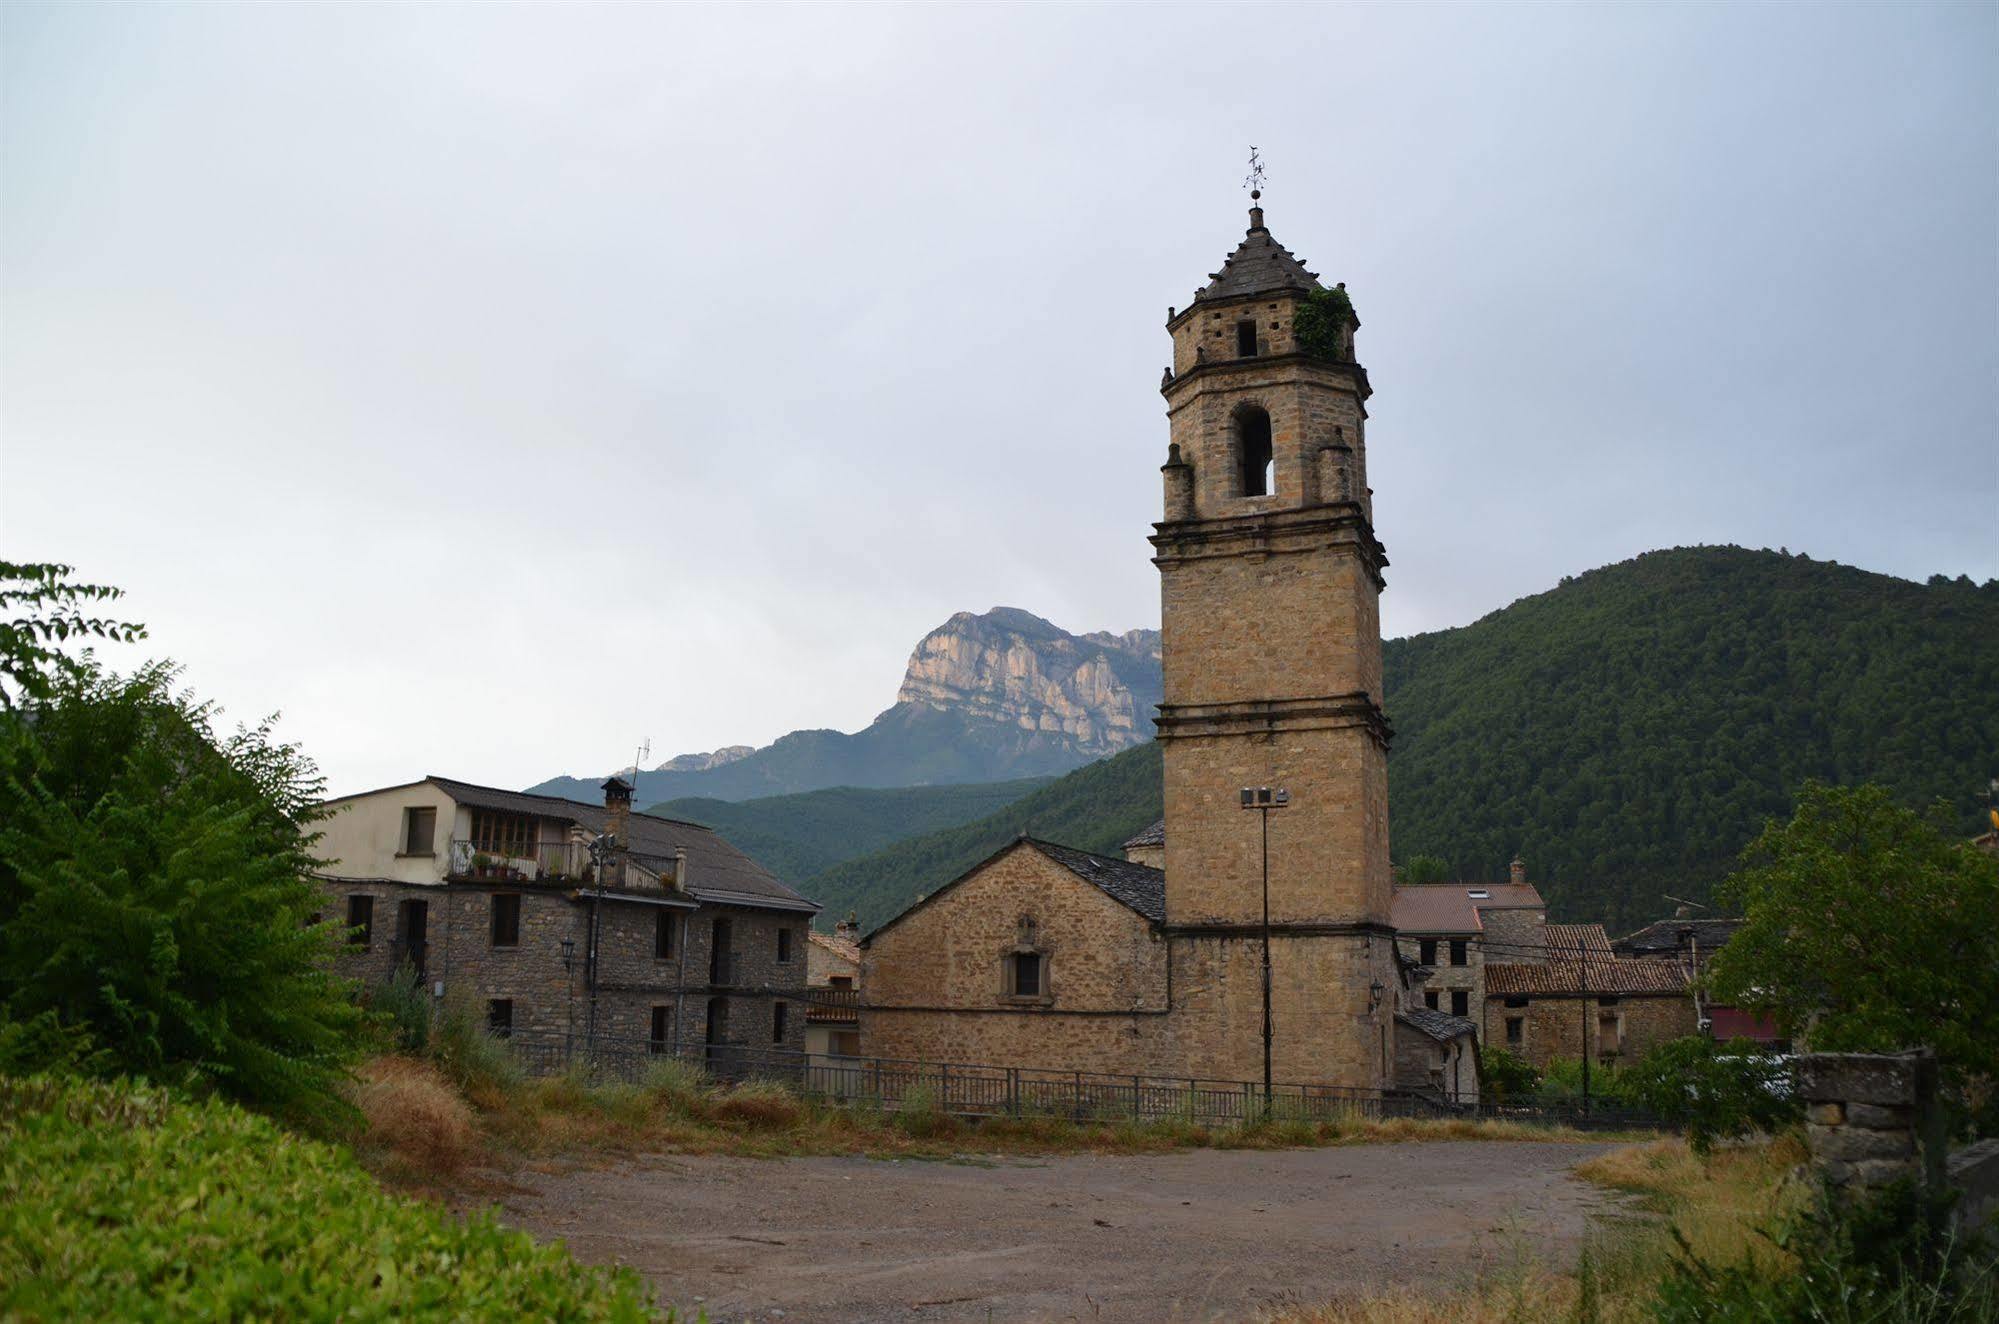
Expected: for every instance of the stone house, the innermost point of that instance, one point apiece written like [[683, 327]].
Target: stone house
[[1693, 943], [496, 896], [1583, 998], [1453, 930], [833, 982]]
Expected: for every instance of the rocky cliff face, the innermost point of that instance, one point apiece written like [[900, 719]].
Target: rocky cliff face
[[702, 762], [1094, 692], [984, 699]]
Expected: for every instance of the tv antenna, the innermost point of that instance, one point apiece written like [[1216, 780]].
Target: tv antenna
[[638, 759]]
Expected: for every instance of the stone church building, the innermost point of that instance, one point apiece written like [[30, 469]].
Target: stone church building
[[1270, 575]]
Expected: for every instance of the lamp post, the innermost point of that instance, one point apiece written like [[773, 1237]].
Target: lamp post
[[1263, 799]]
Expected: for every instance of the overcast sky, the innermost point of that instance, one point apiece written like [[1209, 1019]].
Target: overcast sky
[[487, 388]]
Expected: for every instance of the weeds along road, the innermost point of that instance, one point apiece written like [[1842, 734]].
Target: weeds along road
[[1194, 1235]]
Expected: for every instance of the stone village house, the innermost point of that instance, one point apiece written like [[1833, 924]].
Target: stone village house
[[1585, 999], [1455, 929], [493, 896]]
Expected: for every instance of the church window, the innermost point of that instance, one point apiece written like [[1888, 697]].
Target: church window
[[1253, 452], [1245, 340], [1026, 971]]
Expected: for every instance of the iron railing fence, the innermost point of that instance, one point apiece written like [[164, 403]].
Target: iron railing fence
[[977, 1090], [521, 862]]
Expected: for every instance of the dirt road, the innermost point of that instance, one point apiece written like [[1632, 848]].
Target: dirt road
[[1197, 1235]]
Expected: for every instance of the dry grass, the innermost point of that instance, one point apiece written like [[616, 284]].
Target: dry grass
[[1716, 1203], [417, 1122], [423, 1129]]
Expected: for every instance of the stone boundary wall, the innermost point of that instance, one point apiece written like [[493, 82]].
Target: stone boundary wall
[[1872, 1119]]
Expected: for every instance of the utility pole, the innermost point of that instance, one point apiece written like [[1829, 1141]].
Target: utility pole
[[1263, 799]]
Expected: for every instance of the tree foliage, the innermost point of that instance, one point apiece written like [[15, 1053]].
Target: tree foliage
[[1868, 928], [40, 610], [1716, 1091], [1322, 315], [155, 895]]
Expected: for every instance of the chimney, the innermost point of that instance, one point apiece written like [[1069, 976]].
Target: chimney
[[848, 929], [618, 825], [1518, 872], [680, 867]]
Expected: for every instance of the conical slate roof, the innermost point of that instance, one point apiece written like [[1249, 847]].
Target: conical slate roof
[[1259, 265]]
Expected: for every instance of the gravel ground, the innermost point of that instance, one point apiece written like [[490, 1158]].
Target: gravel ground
[[1195, 1235]]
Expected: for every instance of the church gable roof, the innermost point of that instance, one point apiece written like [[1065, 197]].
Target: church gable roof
[[1134, 886]]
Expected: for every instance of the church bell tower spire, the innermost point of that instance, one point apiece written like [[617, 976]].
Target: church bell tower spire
[[1270, 576]]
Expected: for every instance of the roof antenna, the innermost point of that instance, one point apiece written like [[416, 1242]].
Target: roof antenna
[[644, 753]]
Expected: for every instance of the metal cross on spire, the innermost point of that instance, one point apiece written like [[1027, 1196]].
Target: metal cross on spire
[[1253, 181]]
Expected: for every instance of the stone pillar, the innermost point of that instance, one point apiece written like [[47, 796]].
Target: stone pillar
[[1335, 477], [1179, 485], [1871, 1118]]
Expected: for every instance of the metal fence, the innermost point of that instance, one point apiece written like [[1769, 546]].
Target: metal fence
[[975, 1090]]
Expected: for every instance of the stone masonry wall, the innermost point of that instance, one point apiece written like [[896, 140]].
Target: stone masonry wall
[[632, 981], [935, 981], [1871, 1119], [1555, 1026]]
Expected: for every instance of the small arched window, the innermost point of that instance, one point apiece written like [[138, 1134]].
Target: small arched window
[[1253, 453]]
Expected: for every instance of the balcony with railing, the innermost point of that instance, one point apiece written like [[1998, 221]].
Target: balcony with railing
[[832, 1006], [550, 863]]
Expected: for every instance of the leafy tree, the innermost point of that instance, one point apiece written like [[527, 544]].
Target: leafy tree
[[1869, 927], [155, 894], [51, 612], [1718, 1092], [1426, 869]]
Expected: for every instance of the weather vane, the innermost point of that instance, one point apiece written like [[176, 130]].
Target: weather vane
[[1253, 181]]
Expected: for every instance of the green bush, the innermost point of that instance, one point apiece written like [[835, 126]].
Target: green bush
[[1718, 1092], [407, 1006], [464, 1051], [155, 892], [1506, 1077], [1563, 1082], [1320, 318], [119, 1202]]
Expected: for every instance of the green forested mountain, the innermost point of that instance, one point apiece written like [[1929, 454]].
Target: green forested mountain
[[1627, 731], [798, 836], [1096, 808]]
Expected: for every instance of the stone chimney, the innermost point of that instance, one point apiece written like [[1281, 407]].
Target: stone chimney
[[848, 929], [1518, 872], [680, 868], [618, 825]]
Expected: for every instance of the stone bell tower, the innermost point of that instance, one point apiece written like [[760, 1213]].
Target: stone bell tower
[[1270, 576]]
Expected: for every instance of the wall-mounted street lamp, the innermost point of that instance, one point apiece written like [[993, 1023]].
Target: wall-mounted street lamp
[[568, 954], [1263, 799]]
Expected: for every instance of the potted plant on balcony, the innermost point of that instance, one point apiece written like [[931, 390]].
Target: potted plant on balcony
[[484, 865]]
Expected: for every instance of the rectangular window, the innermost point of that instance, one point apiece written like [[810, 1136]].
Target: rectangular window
[[779, 1016], [1460, 1003], [1606, 1033], [361, 920], [1516, 1030], [509, 835], [1516, 1002], [1460, 953], [658, 1041], [783, 945], [1427, 951], [1026, 968], [1430, 999], [420, 831], [839, 981], [662, 935], [1245, 340], [500, 1016], [506, 919]]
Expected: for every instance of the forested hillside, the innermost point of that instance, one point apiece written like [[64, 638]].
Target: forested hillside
[[1627, 731], [1096, 808], [798, 836]]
